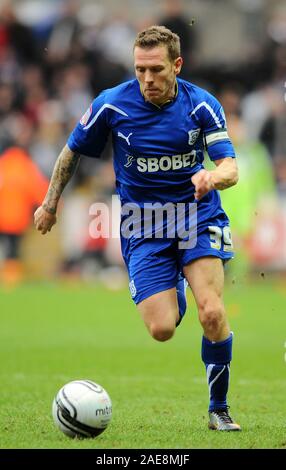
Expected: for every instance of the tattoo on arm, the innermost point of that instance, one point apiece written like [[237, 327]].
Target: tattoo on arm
[[65, 167], [225, 174], [223, 185]]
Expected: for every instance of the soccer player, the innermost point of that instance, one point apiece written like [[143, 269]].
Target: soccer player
[[160, 126]]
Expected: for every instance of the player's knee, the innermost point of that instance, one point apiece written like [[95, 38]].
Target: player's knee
[[212, 317], [161, 333]]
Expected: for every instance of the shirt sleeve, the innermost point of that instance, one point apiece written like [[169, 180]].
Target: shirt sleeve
[[90, 134], [216, 139]]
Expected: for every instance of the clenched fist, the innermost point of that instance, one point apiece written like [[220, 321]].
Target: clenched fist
[[44, 220], [203, 183]]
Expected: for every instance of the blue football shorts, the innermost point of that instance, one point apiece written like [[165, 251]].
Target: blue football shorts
[[154, 264]]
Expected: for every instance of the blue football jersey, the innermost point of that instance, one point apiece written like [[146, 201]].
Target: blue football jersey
[[156, 148]]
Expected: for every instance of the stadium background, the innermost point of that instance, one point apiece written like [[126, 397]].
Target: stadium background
[[65, 295]]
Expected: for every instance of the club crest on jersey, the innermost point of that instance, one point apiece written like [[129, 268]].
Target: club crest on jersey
[[193, 135], [86, 116]]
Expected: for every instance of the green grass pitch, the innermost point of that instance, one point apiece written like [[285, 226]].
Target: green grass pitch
[[54, 333]]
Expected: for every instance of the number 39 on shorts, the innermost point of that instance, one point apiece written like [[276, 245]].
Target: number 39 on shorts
[[220, 238]]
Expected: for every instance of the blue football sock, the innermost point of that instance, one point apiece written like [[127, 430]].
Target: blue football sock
[[181, 296], [217, 357]]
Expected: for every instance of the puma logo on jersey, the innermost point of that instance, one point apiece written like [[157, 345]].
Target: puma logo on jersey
[[130, 159], [124, 137]]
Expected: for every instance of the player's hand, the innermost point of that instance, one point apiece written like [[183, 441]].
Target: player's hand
[[44, 220], [203, 183]]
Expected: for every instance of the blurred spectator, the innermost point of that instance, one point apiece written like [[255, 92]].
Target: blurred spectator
[[22, 187], [272, 131], [7, 104], [175, 18], [16, 36], [115, 40], [48, 136], [74, 91], [256, 183], [276, 27], [264, 111], [65, 32]]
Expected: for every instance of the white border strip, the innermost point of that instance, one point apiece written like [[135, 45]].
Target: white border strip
[[216, 136], [210, 110], [110, 106]]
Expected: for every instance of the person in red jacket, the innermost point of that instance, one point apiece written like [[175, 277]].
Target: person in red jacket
[[22, 187]]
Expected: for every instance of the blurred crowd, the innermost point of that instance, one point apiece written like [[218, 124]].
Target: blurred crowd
[[56, 56]]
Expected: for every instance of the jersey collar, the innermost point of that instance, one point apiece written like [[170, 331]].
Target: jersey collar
[[165, 102]]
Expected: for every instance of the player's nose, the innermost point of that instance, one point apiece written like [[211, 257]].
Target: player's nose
[[149, 77]]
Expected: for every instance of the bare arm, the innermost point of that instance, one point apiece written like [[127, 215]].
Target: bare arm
[[65, 166], [224, 176], [226, 173]]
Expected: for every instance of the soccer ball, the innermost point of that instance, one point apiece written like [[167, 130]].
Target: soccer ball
[[82, 409]]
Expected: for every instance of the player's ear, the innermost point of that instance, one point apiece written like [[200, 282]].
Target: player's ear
[[178, 65]]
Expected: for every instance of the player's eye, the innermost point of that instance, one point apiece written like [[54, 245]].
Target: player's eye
[[157, 69]]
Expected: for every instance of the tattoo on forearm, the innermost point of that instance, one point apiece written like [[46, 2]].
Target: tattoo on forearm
[[223, 185], [65, 167]]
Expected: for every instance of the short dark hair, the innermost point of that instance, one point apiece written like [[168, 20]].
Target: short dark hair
[[157, 36]]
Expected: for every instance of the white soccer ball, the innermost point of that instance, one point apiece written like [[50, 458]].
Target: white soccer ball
[[82, 409]]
